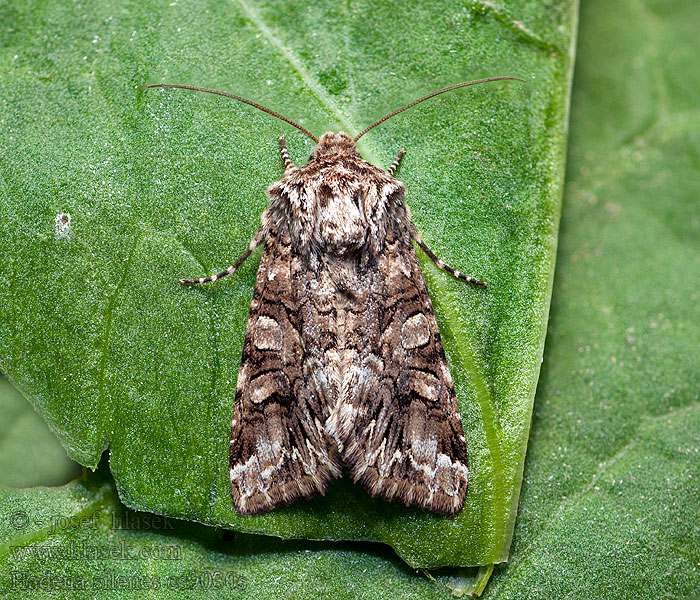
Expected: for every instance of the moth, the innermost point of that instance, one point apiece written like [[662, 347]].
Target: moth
[[342, 362]]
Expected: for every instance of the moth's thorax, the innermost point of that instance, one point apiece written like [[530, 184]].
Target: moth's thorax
[[337, 203]]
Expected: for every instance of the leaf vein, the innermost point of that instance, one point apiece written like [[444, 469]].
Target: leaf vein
[[573, 499], [296, 63], [108, 318], [515, 26]]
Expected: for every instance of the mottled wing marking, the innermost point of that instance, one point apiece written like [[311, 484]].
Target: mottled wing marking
[[399, 425], [280, 450], [343, 363]]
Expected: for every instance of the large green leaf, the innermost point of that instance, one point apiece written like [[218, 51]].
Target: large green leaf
[[112, 351], [79, 541], [611, 497], [25, 440], [611, 502]]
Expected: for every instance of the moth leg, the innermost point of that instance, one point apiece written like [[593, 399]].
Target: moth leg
[[288, 164], [395, 165], [440, 264], [254, 243]]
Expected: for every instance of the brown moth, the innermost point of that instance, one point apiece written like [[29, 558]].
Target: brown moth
[[342, 363]]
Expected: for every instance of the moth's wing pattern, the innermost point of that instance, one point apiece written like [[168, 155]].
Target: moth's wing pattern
[[280, 450], [399, 426]]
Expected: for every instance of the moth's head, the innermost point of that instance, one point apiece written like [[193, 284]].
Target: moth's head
[[334, 144]]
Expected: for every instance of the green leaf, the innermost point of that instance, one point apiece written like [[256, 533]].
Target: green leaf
[[101, 337], [611, 497], [29, 453], [610, 503], [81, 542]]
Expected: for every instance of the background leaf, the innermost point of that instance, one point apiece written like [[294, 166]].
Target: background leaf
[[79, 541], [29, 453], [158, 185], [611, 496]]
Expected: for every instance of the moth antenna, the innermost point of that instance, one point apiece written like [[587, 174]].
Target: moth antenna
[[249, 102], [442, 91]]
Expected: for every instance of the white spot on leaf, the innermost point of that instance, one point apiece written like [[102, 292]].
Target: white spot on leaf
[[63, 228]]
